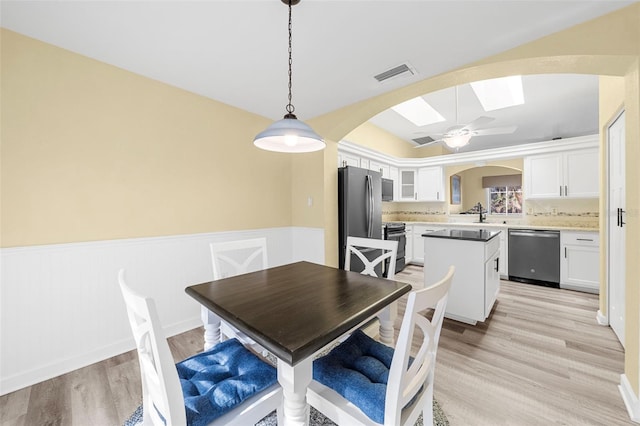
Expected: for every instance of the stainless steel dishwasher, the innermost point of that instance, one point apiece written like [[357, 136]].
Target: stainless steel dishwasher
[[534, 256]]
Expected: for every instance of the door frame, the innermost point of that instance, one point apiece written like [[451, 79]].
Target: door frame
[[604, 319]]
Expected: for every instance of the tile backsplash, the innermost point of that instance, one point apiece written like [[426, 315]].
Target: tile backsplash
[[574, 213]]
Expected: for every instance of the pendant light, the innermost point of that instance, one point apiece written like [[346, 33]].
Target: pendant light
[[289, 134]]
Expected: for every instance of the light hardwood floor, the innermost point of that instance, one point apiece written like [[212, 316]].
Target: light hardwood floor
[[539, 359]]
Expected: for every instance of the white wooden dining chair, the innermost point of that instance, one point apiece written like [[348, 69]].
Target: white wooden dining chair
[[231, 258], [382, 250], [358, 246], [363, 382], [223, 386]]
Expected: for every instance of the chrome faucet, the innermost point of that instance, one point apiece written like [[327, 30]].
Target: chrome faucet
[[483, 217]]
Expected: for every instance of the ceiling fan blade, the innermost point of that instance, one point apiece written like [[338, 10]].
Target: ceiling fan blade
[[496, 131], [478, 122]]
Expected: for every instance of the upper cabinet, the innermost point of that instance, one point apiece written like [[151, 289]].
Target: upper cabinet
[[408, 187], [570, 174], [380, 167], [430, 184], [348, 159], [423, 184]]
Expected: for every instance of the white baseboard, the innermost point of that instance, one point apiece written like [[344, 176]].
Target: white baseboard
[[602, 319], [630, 399], [61, 305]]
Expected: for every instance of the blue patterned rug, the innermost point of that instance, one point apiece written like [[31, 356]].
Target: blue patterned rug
[[316, 419]]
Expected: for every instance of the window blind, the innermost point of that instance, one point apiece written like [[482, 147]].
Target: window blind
[[503, 180]]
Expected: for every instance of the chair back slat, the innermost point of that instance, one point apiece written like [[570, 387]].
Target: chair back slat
[[238, 257], [161, 390], [388, 248], [406, 381]]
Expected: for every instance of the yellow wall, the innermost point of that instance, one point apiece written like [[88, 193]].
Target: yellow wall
[[632, 183], [380, 140], [471, 182], [471, 190], [93, 152]]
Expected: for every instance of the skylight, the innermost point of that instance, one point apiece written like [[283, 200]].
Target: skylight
[[499, 93], [418, 111]]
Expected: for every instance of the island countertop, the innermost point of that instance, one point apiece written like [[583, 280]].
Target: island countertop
[[464, 234]]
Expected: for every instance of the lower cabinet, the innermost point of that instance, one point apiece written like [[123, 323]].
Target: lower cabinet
[[476, 282], [580, 261], [408, 250], [503, 263], [418, 241]]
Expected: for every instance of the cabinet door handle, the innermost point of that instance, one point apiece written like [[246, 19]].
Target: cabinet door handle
[[437, 195], [584, 239], [622, 222], [561, 190], [566, 193], [618, 216], [497, 264], [565, 252]]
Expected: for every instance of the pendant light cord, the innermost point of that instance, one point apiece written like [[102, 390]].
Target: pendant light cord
[[290, 108]]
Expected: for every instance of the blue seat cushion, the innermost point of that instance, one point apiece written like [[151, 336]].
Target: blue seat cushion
[[358, 369], [215, 381]]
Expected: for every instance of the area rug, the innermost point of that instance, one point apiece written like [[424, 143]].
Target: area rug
[[316, 419]]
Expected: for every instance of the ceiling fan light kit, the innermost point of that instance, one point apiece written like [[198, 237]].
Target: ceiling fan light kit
[[289, 134], [459, 135]]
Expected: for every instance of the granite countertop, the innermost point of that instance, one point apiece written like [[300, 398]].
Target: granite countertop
[[502, 226], [464, 234]]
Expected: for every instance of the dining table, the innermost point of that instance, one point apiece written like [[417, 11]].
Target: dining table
[[295, 311]]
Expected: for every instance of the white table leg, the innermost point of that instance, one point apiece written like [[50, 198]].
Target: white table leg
[[294, 381], [211, 328], [387, 319]]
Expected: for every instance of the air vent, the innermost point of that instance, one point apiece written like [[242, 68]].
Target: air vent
[[401, 70], [425, 140]]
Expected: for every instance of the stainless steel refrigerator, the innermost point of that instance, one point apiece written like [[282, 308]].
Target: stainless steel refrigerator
[[359, 211]]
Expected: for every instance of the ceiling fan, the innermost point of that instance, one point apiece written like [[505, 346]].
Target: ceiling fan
[[459, 135]]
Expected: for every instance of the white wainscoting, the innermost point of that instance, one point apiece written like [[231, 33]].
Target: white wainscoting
[[61, 307]]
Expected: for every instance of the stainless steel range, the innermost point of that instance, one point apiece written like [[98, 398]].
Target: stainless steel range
[[396, 231]]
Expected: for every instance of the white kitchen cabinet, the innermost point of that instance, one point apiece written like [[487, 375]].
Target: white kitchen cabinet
[[503, 263], [346, 159], [430, 184], [408, 250], [382, 168], [408, 190], [423, 184], [418, 241], [476, 282], [580, 261], [491, 280], [394, 174], [581, 174], [570, 174]]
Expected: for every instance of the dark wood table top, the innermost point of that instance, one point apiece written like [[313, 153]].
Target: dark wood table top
[[296, 309]]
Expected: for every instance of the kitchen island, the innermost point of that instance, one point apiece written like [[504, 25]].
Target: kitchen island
[[476, 257]]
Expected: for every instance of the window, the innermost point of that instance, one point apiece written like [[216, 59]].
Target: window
[[505, 200]]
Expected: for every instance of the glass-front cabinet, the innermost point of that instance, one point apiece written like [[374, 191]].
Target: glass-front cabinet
[[408, 190]]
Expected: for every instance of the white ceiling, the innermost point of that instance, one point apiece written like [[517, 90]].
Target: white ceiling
[[556, 106], [235, 51]]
